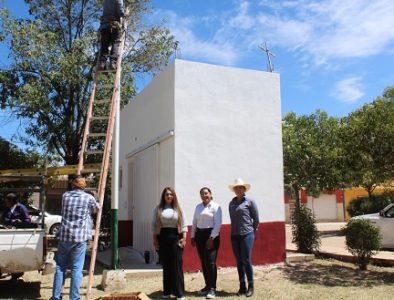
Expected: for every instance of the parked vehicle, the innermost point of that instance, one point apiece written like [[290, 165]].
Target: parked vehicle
[[24, 249], [51, 222], [384, 220]]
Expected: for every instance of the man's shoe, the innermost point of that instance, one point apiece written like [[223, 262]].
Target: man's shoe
[[165, 296], [112, 66], [204, 291], [250, 291], [242, 289], [211, 294], [102, 65]]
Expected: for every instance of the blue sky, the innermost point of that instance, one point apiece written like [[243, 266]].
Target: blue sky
[[332, 55]]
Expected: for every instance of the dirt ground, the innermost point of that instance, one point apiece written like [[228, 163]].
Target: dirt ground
[[320, 279]]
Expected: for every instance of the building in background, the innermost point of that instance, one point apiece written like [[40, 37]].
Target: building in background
[[201, 125]]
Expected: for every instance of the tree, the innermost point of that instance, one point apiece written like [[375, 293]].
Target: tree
[[311, 153], [14, 158], [52, 59], [363, 240], [368, 143]]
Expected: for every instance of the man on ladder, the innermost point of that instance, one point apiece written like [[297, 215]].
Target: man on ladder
[[111, 32]]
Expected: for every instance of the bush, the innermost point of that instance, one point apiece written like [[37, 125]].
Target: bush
[[363, 240], [366, 205], [305, 234]]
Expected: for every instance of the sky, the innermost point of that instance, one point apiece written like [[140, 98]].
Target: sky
[[332, 55]]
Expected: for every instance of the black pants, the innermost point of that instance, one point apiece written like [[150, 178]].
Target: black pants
[[171, 260], [110, 36], [207, 256]]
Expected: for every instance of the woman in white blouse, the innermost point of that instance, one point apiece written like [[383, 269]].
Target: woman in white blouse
[[169, 238], [207, 220]]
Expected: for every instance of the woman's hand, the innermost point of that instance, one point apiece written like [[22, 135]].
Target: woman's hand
[[209, 243], [182, 243]]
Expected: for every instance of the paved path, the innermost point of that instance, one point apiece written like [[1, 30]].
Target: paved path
[[333, 244]]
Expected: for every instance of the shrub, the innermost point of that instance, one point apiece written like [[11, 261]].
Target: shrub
[[363, 240], [305, 234], [366, 205]]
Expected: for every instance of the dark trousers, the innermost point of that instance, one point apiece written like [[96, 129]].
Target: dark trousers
[[110, 36], [242, 248], [207, 256], [171, 260]]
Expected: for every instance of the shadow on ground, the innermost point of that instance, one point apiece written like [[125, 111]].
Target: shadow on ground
[[336, 275], [221, 294], [18, 289]]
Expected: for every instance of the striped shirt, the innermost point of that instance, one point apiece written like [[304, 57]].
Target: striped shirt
[[77, 209]]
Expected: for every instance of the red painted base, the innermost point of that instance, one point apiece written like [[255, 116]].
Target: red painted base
[[269, 247]]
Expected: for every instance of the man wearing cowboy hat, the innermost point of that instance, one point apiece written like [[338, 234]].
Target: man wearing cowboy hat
[[244, 218], [75, 230]]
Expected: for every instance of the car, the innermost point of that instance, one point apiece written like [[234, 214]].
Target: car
[[384, 220], [52, 222]]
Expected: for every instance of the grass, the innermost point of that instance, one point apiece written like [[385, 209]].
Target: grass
[[320, 279]]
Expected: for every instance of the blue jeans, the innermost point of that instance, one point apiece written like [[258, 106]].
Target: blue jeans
[[73, 255], [242, 248]]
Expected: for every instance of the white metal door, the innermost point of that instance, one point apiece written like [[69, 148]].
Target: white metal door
[[145, 196]]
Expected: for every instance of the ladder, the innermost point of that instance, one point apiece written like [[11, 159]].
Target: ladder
[[102, 108]]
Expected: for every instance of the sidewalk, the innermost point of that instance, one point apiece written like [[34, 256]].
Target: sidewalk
[[333, 244]]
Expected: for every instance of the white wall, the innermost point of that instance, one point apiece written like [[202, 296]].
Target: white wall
[[214, 124], [147, 118], [228, 125]]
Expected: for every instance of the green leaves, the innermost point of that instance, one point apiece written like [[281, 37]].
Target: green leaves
[[310, 153], [368, 143], [52, 57]]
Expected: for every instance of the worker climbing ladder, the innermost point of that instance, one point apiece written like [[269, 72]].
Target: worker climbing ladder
[[96, 145]]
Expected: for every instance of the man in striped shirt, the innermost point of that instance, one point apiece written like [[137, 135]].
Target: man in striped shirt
[[75, 230]]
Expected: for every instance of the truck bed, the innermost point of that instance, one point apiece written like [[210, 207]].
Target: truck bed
[[21, 250]]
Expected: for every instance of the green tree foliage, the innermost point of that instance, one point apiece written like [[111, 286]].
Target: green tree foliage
[[363, 240], [14, 158], [304, 230], [369, 205], [368, 143], [310, 153], [52, 58]]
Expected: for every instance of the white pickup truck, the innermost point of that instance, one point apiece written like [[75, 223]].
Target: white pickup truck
[[23, 249]]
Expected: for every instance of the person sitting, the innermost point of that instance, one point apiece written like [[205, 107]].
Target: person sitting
[[111, 32], [16, 213]]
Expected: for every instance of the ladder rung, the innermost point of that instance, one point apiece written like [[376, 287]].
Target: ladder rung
[[108, 71], [102, 101], [99, 118], [93, 152], [97, 134], [104, 86]]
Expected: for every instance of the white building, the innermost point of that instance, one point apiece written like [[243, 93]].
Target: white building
[[201, 125]]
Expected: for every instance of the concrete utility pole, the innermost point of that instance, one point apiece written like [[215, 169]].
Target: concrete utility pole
[[269, 54]]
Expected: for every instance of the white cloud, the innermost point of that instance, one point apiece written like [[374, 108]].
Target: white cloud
[[194, 47], [348, 90], [321, 32]]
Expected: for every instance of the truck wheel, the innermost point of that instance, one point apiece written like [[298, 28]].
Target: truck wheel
[[16, 276], [54, 229]]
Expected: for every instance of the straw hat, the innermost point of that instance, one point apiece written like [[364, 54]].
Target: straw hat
[[239, 182]]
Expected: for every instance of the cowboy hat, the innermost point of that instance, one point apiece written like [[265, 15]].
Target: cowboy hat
[[239, 182]]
